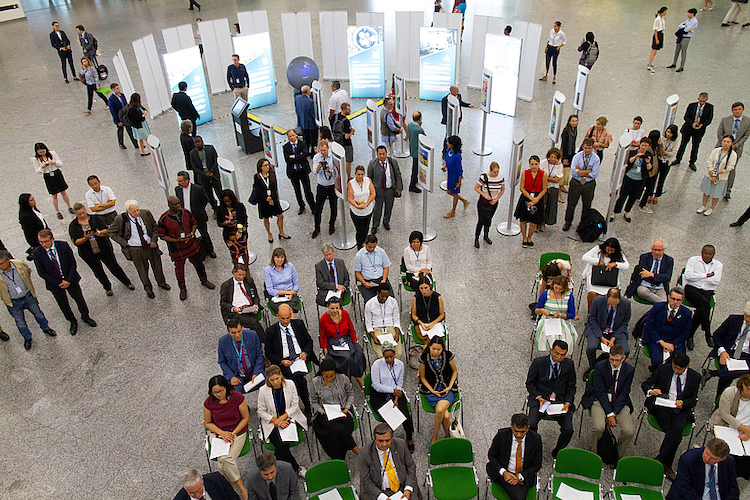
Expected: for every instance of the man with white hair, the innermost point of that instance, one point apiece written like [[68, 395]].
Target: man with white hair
[[213, 486], [732, 341], [137, 233]]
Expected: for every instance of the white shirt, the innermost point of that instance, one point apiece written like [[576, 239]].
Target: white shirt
[[551, 171], [635, 136], [186, 198], [696, 271], [673, 385], [381, 315], [659, 23], [238, 298], [557, 39], [513, 450], [361, 194], [743, 411], [104, 195], [134, 240], [324, 178], [745, 345], [706, 468], [285, 345], [416, 261], [40, 217], [388, 181], [48, 168], [337, 98]]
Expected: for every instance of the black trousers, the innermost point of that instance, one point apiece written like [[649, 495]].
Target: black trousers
[[648, 190], [211, 185], [689, 133], [91, 89], [565, 422], [67, 56], [361, 227], [121, 135], [325, 193], [485, 213], [577, 190], [61, 297], [701, 299], [310, 136], [744, 218], [661, 178], [282, 452], [414, 172], [108, 259], [672, 424], [551, 55], [205, 237], [301, 181], [630, 190], [514, 491], [378, 399], [726, 377]]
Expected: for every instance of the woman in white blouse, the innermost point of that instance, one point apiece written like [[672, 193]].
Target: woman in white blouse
[[417, 260], [608, 255], [48, 164], [553, 167], [555, 41], [360, 193], [734, 412], [657, 41]]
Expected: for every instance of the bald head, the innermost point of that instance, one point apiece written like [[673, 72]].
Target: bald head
[[174, 204], [657, 249], [305, 89], [285, 315]]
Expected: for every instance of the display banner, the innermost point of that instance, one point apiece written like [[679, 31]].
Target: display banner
[[485, 94], [502, 56], [556, 120], [162, 174], [581, 82], [186, 66], [338, 158], [372, 124], [670, 112], [426, 162], [255, 54], [453, 116], [366, 65], [269, 140], [437, 62], [399, 95], [317, 96]]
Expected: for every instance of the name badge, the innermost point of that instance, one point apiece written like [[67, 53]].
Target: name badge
[[18, 289], [52, 174], [182, 235], [419, 264], [553, 397], [268, 191]]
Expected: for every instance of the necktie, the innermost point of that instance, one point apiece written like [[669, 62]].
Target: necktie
[[519, 458], [614, 385], [740, 343], [712, 493], [140, 234], [290, 343], [272, 490], [678, 385], [382, 165], [243, 358], [244, 292], [54, 261], [655, 266], [736, 127], [698, 114], [333, 274], [610, 318], [671, 315], [555, 371], [391, 473]]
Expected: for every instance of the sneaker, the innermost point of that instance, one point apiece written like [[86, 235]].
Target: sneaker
[[651, 69], [701, 210], [302, 472], [646, 210], [708, 212]]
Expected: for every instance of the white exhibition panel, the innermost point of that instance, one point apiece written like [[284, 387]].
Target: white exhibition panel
[[178, 38], [252, 22], [502, 56], [217, 51], [297, 35], [531, 34], [370, 19], [149, 65], [482, 26], [407, 41], [450, 20], [333, 45], [123, 75]]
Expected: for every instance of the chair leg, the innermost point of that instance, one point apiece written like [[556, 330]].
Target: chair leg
[[417, 405], [580, 424], [640, 423]]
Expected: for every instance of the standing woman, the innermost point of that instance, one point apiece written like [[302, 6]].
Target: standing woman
[[657, 41], [453, 165], [552, 166], [530, 208], [268, 198], [588, 44], [437, 382], [569, 134], [720, 162], [658, 154], [490, 187], [602, 137], [668, 144], [336, 329], [48, 164], [232, 216], [141, 130], [31, 220], [360, 193], [555, 41], [637, 165], [332, 388], [90, 77]]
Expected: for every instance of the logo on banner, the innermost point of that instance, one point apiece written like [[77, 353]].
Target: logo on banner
[[366, 37]]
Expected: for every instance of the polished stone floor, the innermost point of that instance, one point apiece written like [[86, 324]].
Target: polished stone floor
[[115, 411]]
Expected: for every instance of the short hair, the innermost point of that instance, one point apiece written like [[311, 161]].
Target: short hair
[[265, 461], [323, 142], [416, 116], [681, 359], [44, 233], [743, 381], [336, 84], [738, 104], [638, 119], [182, 86], [236, 55], [646, 140], [77, 206], [702, 94], [113, 85], [278, 252], [381, 147], [519, 421], [508, 29], [614, 293], [305, 89], [130, 203], [239, 267], [384, 286], [617, 350], [233, 322], [54, 23], [561, 344], [534, 158], [80, 27], [746, 309], [677, 289], [327, 365], [220, 381], [693, 11], [718, 447], [382, 428], [186, 126], [274, 370], [371, 238], [554, 151], [387, 100], [416, 235], [327, 247], [91, 178], [709, 246], [4, 255], [346, 105], [192, 478], [183, 174], [558, 23], [588, 141]]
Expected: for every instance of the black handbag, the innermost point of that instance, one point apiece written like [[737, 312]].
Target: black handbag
[[601, 277], [606, 448], [253, 200]]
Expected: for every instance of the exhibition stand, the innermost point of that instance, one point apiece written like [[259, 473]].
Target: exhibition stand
[[670, 112], [333, 37], [408, 26], [317, 97], [556, 118], [162, 174], [582, 79], [485, 101], [425, 179], [622, 150], [123, 75], [247, 138], [345, 240], [509, 228], [373, 132], [297, 35]]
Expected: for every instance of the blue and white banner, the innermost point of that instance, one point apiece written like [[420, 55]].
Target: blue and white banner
[[437, 62], [366, 64], [186, 66], [255, 54]]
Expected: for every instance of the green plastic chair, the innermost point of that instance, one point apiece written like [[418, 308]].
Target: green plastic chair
[[429, 409], [686, 431], [574, 461], [329, 475], [268, 304], [636, 297], [300, 439], [589, 383], [498, 493], [638, 471], [245, 447], [369, 409], [452, 482]]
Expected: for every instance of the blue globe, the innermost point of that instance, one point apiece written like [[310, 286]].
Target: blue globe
[[302, 71]]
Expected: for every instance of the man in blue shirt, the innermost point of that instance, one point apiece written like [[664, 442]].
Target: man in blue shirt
[[305, 108], [237, 78], [584, 169], [685, 29], [116, 102], [371, 267]]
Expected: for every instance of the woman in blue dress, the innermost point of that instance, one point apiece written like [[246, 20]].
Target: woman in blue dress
[[453, 165]]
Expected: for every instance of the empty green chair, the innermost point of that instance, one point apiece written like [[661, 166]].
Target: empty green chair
[[640, 471], [582, 463], [452, 482], [329, 475]]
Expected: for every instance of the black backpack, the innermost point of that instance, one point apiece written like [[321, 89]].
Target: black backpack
[[606, 448], [592, 226], [337, 129], [639, 325], [124, 116]]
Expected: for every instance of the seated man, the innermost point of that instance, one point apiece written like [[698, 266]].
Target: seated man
[[609, 399], [240, 355], [732, 340], [286, 342], [706, 472], [382, 318], [607, 324], [371, 267], [652, 283], [701, 278], [515, 458], [677, 383], [667, 327], [331, 275], [213, 484], [238, 298], [385, 467], [552, 380], [272, 480]]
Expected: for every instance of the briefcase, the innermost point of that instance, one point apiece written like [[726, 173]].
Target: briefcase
[[601, 277]]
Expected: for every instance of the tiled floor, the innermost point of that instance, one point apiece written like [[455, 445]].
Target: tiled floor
[[116, 410]]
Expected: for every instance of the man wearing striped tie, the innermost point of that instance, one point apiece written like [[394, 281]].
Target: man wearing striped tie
[[732, 341], [515, 458], [386, 466]]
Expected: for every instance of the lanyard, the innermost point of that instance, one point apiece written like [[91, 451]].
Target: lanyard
[[100, 196], [12, 275], [393, 373], [385, 462], [277, 401], [374, 269], [242, 349], [721, 158], [54, 254], [382, 312], [416, 254], [709, 266]]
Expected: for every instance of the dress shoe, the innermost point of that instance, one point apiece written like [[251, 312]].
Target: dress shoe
[[415, 190], [487, 239], [727, 197], [50, 332], [746, 25], [566, 227], [315, 233], [183, 294], [679, 70], [709, 341], [735, 224], [208, 284], [669, 473], [301, 210], [691, 165], [212, 254], [4, 336], [331, 229], [387, 226], [123, 146], [671, 66], [27, 344], [374, 230], [165, 286], [476, 243], [627, 218], [73, 328], [109, 293], [130, 286], [724, 25], [676, 162], [287, 237], [690, 343], [67, 81], [89, 322], [150, 295]]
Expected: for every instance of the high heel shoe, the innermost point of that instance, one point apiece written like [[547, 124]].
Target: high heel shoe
[[287, 237]]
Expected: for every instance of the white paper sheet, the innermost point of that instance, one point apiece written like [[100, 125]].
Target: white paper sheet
[[373, 284], [299, 366], [734, 365], [604, 347], [255, 383], [625, 496], [330, 495], [552, 327], [665, 355], [392, 415], [332, 293], [250, 310], [565, 492], [666, 403], [336, 347], [438, 330], [386, 338], [556, 409], [219, 447], [397, 496], [289, 433], [333, 412], [279, 298], [732, 437]]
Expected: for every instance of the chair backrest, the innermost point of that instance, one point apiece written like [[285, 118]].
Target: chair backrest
[[547, 257], [367, 380], [636, 271], [590, 380], [579, 462], [639, 470], [326, 475], [403, 265], [682, 273], [451, 451]]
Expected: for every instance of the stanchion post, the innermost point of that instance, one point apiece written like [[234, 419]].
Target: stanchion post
[[622, 150], [425, 179], [670, 111], [509, 228], [485, 105]]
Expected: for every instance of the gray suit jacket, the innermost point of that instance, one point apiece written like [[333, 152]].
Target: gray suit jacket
[[286, 484], [323, 278], [371, 472], [725, 128], [375, 173]]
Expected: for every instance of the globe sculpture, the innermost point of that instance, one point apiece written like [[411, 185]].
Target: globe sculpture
[[302, 71]]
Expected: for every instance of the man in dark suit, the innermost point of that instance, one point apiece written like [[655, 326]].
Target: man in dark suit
[[272, 480], [238, 298], [56, 265], [732, 341], [61, 43], [515, 458], [196, 486], [204, 162], [667, 327], [552, 380], [385, 175], [386, 466], [330, 275], [183, 104], [678, 384], [87, 43], [444, 108], [609, 399], [305, 109], [298, 170], [116, 102], [193, 198], [652, 282], [698, 116], [607, 324], [704, 472], [287, 341]]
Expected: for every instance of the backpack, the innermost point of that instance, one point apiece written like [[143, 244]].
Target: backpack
[[639, 326], [592, 53], [96, 42], [124, 116], [337, 129], [592, 226]]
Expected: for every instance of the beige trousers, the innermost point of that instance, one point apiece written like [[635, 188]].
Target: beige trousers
[[228, 463], [624, 423], [386, 331], [240, 92]]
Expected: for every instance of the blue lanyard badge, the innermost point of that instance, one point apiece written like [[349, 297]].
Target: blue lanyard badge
[[239, 355], [382, 312], [393, 374], [371, 262]]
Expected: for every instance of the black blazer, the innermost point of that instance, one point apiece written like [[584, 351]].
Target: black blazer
[[602, 383], [644, 165], [216, 485], [275, 337], [539, 384], [661, 379], [664, 276], [136, 116], [691, 478], [182, 103], [597, 321], [31, 226], [186, 141], [726, 335], [444, 107], [46, 268], [291, 159], [57, 42], [198, 201], [658, 328], [212, 163], [221, 212], [568, 144], [226, 295], [706, 117], [323, 278], [499, 456]]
